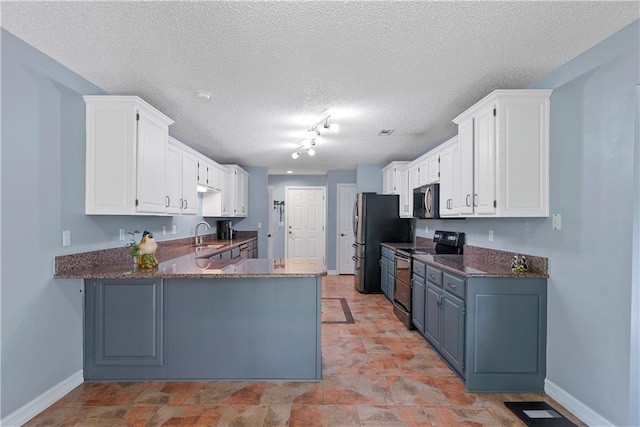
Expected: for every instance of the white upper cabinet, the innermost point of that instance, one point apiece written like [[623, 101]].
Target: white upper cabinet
[[391, 177], [182, 179], [174, 179], [449, 181], [404, 194], [465, 172], [126, 156], [423, 172], [433, 163], [413, 181], [508, 132], [239, 191]]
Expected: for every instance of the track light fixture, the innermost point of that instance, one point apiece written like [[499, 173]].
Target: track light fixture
[[324, 126], [306, 146]]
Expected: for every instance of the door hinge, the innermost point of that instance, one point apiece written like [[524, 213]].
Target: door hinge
[[495, 204], [438, 172], [464, 311], [137, 117], [136, 202], [463, 366], [494, 112], [438, 159]]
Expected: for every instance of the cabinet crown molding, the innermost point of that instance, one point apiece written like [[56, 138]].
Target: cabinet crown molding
[[502, 95]]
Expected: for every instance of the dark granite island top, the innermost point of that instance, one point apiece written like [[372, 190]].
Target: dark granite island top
[[193, 266]]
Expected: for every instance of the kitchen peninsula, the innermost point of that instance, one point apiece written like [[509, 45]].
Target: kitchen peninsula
[[199, 317]]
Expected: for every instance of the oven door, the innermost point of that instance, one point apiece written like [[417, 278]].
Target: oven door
[[402, 291]]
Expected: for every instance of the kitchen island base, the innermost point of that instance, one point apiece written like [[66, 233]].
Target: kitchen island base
[[205, 329]]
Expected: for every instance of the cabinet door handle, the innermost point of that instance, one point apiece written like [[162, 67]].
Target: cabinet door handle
[[466, 200], [475, 199], [186, 203], [452, 285], [168, 200]]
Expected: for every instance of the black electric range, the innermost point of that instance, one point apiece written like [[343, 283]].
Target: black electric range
[[447, 242]]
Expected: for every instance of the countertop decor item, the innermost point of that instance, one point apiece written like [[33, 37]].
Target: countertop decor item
[[147, 251], [134, 249]]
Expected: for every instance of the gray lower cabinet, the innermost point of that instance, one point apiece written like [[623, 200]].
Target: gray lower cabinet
[[506, 334], [491, 330], [384, 273], [124, 330], [418, 289], [233, 329], [452, 339], [387, 272], [432, 314]]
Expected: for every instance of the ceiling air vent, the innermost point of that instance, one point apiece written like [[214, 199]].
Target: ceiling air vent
[[385, 132]]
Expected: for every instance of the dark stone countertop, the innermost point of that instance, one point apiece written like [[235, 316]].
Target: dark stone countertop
[[181, 260], [476, 261]]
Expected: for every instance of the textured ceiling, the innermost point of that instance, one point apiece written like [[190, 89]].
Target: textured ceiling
[[274, 67]]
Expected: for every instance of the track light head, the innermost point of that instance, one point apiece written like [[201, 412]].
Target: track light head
[[311, 151], [295, 155]]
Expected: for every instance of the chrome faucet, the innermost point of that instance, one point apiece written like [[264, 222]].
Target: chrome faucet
[[197, 226]]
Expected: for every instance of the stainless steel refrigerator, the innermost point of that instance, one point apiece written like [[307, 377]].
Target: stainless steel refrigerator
[[375, 221]]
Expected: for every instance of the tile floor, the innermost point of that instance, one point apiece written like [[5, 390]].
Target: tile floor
[[375, 373]]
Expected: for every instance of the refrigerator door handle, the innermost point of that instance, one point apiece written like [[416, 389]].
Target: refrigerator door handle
[[355, 217]]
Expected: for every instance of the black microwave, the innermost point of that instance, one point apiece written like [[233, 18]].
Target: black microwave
[[426, 201]]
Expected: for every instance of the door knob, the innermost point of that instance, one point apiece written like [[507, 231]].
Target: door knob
[[342, 234]]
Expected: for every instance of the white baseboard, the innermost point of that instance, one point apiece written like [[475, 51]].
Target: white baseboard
[[332, 272], [573, 405], [25, 413]]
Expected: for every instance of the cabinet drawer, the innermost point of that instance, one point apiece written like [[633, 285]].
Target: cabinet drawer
[[418, 268], [235, 253], [434, 275], [386, 252], [225, 255], [391, 266], [454, 284]]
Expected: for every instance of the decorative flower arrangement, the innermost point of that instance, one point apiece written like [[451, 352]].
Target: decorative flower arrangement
[[134, 249]]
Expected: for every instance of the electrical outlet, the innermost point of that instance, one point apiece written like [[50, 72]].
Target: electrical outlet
[[491, 235], [259, 225], [174, 229], [556, 222], [122, 234], [66, 238], [426, 229], [164, 230]]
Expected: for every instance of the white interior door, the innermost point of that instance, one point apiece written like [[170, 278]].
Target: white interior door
[[346, 196], [305, 222]]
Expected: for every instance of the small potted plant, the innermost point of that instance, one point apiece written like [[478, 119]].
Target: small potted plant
[[134, 249]]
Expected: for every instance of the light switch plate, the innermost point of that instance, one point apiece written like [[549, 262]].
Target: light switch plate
[[259, 225], [66, 238], [491, 235], [122, 234], [164, 230], [556, 222], [174, 229]]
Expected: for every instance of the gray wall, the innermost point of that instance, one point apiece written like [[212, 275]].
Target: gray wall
[[330, 181], [279, 182], [592, 130], [42, 186], [369, 178]]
